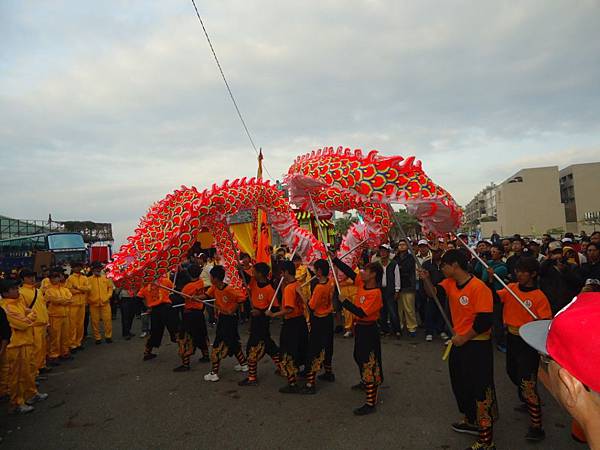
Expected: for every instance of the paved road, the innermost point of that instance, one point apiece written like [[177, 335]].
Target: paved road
[[109, 399]]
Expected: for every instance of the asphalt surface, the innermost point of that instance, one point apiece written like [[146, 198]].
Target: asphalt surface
[[108, 398]]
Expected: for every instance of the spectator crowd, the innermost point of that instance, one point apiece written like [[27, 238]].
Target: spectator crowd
[[45, 317]]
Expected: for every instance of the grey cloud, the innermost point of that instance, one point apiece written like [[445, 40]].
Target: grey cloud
[[125, 103]]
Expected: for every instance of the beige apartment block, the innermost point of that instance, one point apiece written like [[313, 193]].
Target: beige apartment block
[[528, 203], [580, 193]]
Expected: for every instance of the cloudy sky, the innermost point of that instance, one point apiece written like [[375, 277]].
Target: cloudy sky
[[107, 106]]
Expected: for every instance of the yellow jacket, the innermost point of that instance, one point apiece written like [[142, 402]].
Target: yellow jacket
[[20, 320], [101, 290], [58, 298], [27, 292], [79, 285]]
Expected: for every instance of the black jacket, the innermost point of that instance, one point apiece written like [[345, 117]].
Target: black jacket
[[560, 286], [590, 270], [408, 274]]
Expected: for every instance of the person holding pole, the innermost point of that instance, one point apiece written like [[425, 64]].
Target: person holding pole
[[158, 302], [293, 340], [320, 306], [471, 362], [522, 361], [260, 341], [227, 338], [193, 333], [366, 307]]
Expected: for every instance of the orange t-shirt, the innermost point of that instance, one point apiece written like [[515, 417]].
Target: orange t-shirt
[[261, 297], [466, 302], [154, 295], [321, 301], [193, 288], [291, 299], [226, 299], [369, 300], [514, 314]]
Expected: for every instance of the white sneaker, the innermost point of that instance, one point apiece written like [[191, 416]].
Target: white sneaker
[[241, 367], [429, 338], [348, 334], [211, 376], [444, 336], [39, 397], [144, 334], [23, 409]]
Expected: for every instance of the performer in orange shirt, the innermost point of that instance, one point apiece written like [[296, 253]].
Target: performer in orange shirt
[[321, 331], [260, 341], [161, 316], [193, 328], [227, 340], [366, 306], [471, 360], [522, 361], [294, 331]]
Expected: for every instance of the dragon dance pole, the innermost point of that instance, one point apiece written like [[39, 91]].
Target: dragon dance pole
[[474, 253], [426, 281], [206, 302], [341, 257]]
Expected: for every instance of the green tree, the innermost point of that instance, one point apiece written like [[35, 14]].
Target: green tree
[[409, 223], [343, 224]]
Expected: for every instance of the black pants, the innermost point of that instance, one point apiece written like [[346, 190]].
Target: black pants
[[193, 335], [498, 331], [227, 339], [472, 378], [130, 306], [320, 342], [367, 353], [522, 363], [161, 317], [293, 343], [260, 341]]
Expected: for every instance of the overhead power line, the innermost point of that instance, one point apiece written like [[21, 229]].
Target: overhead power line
[[235, 104]]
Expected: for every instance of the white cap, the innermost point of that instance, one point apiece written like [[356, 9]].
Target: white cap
[[386, 246], [423, 242], [567, 239]]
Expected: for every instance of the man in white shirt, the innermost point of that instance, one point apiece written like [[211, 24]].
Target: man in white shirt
[[390, 291]]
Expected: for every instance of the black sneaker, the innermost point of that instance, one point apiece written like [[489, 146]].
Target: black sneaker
[[364, 410], [308, 390], [53, 363], [45, 370], [80, 348], [248, 382], [290, 389], [99, 341], [358, 387], [204, 359], [182, 368], [535, 434], [327, 376], [149, 356], [74, 350], [466, 428], [522, 408], [108, 340], [67, 358], [127, 337]]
